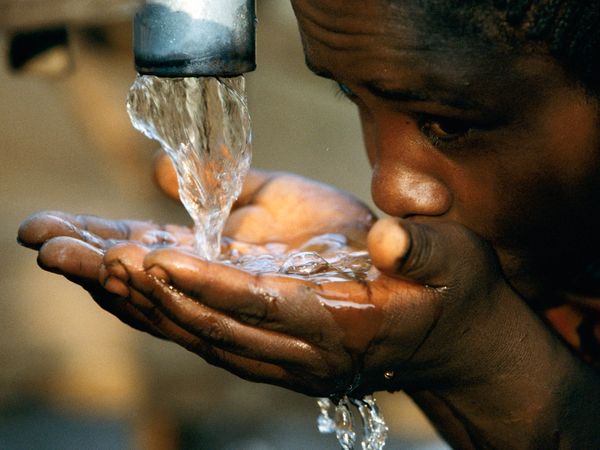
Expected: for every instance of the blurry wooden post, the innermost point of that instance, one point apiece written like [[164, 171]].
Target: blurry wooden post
[[32, 14]]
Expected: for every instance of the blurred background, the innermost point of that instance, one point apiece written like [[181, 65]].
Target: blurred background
[[73, 377]]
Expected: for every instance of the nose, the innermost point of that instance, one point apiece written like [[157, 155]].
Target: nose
[[403, 192], [407, 178]]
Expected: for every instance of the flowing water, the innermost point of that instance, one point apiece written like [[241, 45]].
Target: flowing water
[[204, 126]]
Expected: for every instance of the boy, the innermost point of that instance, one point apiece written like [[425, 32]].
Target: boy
[[481, 124]]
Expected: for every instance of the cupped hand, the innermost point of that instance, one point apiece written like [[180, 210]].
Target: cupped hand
[[74, 246], [285, 208], [413, 324], [272, 207], [416, 323]]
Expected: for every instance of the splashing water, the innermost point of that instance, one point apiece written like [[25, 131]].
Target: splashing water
[[204, 126], [336, 418]]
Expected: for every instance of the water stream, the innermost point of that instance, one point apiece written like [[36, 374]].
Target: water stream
[[204, 126]]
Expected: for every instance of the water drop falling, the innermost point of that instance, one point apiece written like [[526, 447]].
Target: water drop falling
[[375, 429], [344, 425], [325, 422]]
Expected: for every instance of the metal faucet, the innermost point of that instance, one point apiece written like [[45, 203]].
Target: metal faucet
[[181, 38], [172, 38]]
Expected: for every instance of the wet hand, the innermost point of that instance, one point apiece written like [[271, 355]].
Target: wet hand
[[74, 246], [419, 322], [285, 208]]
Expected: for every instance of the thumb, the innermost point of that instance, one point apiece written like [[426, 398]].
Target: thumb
[[428, 254], [166, 176]]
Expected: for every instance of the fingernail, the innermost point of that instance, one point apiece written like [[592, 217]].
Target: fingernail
[[158, 273], [388, 244], [116, 286]]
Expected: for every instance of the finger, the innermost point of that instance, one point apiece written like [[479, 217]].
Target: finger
[[255, 181], [222, 331], [286, 196], [166, 176], [275, 302], [119, 307], [154, 320], [114, 229], [142, 314], [81, 263], [248, 368], [71, 257], [123, 230], [125, 262], [43, 226], [127, 254], [429, 254], [253, 224], [182, 236]]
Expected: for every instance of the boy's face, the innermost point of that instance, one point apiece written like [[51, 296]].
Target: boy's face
[[462, 131]]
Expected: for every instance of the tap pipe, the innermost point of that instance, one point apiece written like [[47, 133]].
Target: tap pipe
[[185, 38]]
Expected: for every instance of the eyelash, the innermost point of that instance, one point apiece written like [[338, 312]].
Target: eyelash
[[424, 121], [463, 129], [343, 92]]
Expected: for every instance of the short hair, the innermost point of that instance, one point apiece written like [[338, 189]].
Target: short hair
[[569, 30]]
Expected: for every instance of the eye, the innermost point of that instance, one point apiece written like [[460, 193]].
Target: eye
[[444, 129]]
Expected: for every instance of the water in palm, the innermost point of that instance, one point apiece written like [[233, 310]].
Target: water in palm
[[204, 126]]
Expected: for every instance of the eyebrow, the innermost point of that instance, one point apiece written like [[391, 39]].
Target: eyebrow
[[403, 95], [407, 95]]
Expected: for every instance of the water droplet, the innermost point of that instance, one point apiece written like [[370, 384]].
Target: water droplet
[[375, 430], [344, 425], [325, 423], [325, 243], [304, 263]]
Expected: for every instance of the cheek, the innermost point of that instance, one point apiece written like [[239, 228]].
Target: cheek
[[525, 203], [481, 202]]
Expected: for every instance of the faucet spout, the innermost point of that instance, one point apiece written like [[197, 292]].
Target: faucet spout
[[185, 38]]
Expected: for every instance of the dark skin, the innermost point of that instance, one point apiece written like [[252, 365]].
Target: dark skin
[[488, 162], [522, 135]]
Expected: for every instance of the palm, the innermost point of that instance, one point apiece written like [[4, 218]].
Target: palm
[[289, 209], [280, 207], [291, 332], [314, 338], [272, 208]]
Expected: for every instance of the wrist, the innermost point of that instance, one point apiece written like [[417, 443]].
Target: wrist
[[523, 388], [475, 341]]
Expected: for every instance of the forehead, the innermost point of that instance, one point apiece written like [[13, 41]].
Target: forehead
[[381, 33], [351, 25], [394, 42]]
